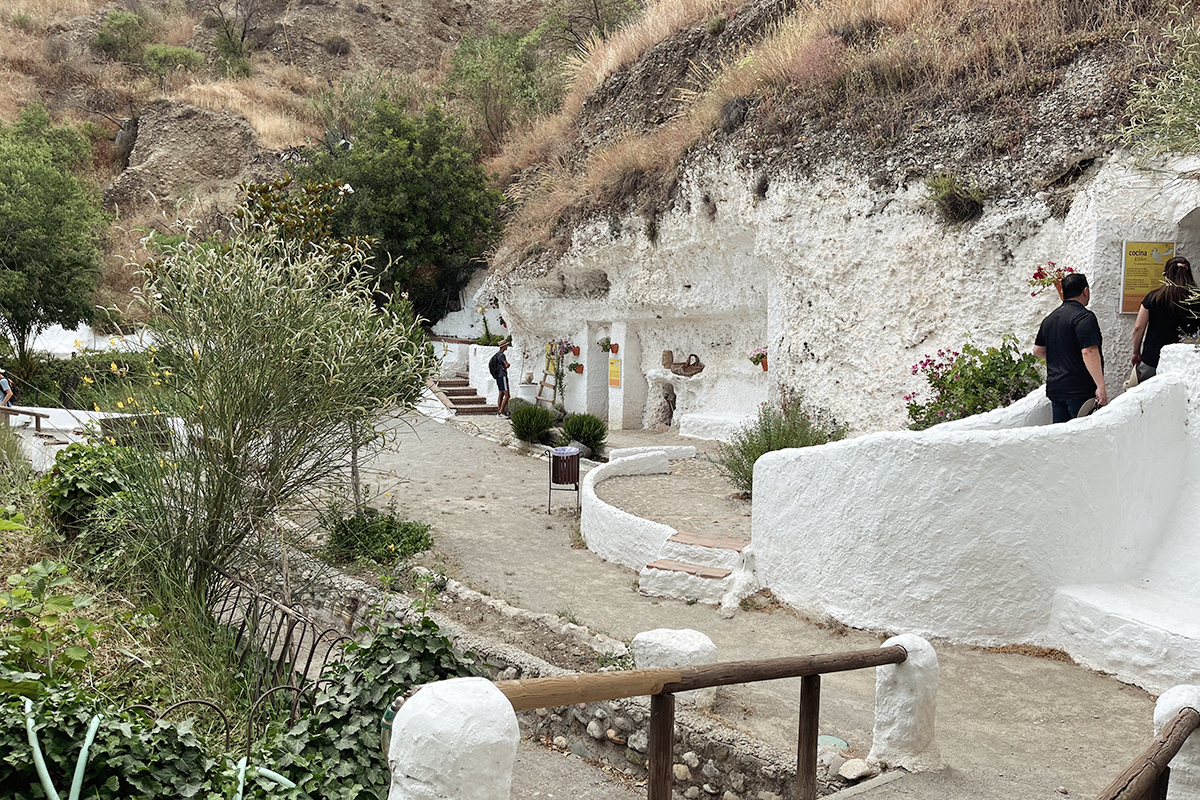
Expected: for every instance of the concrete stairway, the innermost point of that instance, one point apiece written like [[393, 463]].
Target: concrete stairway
[[693, 566], [460, 397]]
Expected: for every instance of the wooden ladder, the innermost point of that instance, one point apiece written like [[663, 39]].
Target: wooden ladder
[[547, 383]]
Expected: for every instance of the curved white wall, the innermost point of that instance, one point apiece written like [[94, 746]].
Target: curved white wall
[[967, 534], [617, 535]]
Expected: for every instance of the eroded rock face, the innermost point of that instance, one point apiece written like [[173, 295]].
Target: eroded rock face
[[184, 151]]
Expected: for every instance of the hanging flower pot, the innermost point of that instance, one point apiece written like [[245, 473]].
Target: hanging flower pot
[[577, 367], [1058, 287], [764, 363], [574, 351], [613, 347]]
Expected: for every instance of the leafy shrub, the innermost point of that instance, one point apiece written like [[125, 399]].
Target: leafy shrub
[[973, 381], [337, 45], [376, 535], [233, 58], [955, 201], [515, 402], [122, 36], [91, 379], [334, 753], [82, 474], [531, 422], [773, 429], [163, 59], [41, 636], [128, 758], [587, 429]]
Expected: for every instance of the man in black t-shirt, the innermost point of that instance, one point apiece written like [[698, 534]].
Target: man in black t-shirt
[[1069, 340], [498, 366]]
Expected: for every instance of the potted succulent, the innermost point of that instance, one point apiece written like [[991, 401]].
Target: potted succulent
[[758, 357]]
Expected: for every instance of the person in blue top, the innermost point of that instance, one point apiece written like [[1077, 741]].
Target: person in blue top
[[1069, 339], [6, 388]]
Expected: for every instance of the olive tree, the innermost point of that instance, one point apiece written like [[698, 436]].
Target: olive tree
[[274, 347]]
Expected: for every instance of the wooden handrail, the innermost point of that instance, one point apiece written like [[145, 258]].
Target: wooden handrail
[[1143, 776], [662, 684], [596, 686]]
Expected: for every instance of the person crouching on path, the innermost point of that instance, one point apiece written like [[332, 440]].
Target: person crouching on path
[[1069, 340], [498, 366]]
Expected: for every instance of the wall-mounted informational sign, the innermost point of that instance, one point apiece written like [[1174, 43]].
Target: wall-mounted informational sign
[[614, 372], [1142, 271]]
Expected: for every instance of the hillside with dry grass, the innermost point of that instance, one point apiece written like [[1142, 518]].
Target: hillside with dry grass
[[910, 87], [302, 57], [913, 86]]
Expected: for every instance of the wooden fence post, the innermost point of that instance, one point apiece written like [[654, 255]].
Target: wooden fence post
[[806, 748], [662, 746]]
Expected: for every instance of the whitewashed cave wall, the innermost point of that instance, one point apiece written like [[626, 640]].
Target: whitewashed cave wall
[[846, 284]]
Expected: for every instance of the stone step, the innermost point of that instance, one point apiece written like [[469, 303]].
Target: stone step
[[1130, 630], [452, 383], [684, 581], [466, 399], [476, 410], [703, 549], [457, 391]]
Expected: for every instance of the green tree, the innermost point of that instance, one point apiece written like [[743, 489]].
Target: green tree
[[418, 192], [503, 81], [273, 345], [122, 36], [163, 59], [50, 224]]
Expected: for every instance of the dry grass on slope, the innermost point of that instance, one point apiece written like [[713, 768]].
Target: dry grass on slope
[[862, 62], [275, 102]]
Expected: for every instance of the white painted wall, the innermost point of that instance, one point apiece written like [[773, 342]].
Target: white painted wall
[[617, 535], [967, 534], [847, 285]]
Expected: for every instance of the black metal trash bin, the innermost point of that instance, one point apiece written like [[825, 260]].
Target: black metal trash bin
[[564, 470]]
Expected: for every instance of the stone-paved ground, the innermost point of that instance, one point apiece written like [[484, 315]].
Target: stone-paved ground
[[692, 497]]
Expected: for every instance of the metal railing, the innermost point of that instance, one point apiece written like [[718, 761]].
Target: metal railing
[[290, 646], [1149, 774], [662, 684]]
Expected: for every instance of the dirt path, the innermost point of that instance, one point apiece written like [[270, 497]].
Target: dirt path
[[1009, 725]]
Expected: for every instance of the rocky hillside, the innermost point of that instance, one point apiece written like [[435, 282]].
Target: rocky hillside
[[800, 216]]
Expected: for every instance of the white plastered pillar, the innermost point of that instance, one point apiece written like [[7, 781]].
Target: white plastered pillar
[[906, 708], [454, 740], [1185, 766], [627, 402]]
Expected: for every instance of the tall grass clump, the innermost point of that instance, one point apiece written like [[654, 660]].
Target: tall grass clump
[[775, 428], [1164, 110]]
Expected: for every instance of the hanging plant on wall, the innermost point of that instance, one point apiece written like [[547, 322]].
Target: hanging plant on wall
[[575, 366]]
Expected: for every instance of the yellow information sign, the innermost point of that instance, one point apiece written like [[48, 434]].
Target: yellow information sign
[[1142, 271], [614, 372]]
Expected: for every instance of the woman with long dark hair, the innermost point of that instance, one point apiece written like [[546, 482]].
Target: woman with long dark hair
[[1166, 314]]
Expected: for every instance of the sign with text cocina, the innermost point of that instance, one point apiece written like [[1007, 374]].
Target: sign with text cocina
[[1142, 271]]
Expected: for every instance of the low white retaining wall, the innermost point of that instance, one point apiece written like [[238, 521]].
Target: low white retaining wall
[[617, 535], [966, 534]]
